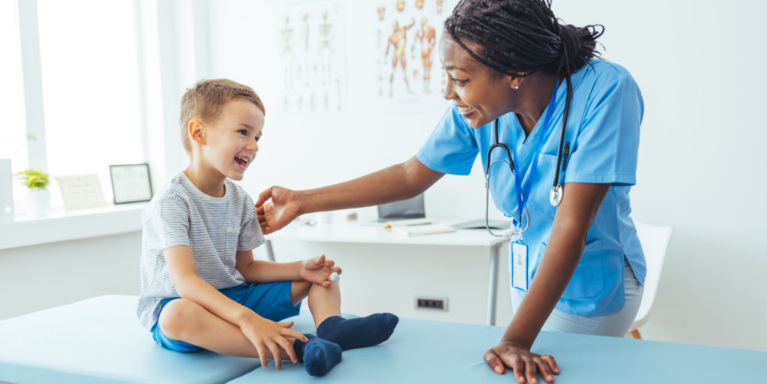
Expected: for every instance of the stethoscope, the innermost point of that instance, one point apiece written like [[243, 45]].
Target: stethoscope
[[555, 196]]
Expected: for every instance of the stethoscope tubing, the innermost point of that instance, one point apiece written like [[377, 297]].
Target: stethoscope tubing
[[556, 190]]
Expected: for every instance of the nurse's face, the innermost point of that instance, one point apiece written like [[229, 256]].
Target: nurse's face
[[480, 94]]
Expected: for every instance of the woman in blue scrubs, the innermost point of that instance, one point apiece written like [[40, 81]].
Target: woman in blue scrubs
[[513, 61]]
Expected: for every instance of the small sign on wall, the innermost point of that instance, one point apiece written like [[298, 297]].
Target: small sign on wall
[[81, 192], [131, 183]]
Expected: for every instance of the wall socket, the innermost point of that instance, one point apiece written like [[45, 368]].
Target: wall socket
[[439, 304]]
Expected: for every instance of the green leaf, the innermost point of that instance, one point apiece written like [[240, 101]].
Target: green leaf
[[33, 179]]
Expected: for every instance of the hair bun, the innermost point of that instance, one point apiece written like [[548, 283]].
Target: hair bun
[[521, 37], [577, 47]]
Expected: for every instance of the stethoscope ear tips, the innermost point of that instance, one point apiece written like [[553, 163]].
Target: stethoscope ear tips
[[555, 197]]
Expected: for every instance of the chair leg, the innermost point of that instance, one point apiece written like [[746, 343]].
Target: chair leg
[[636, 334]]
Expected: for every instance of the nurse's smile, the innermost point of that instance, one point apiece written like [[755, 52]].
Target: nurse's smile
[[466, 111], [483, 95]]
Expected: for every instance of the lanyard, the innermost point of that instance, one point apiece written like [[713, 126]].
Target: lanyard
[[523, 191]]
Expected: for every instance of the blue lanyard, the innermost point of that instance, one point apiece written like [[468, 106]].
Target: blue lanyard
[[519, 173]]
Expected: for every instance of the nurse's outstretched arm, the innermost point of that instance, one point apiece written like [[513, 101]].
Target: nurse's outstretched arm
[[277, 207], [574, 217]]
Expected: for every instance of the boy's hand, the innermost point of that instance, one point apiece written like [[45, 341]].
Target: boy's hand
[[317, 270], [279, 212], [265, 334]]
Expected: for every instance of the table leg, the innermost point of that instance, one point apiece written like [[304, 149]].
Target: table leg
[[269, 250], [492, 286]]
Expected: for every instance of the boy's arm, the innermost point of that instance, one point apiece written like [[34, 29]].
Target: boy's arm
[[316, 270], [261, 332], [260, 271]]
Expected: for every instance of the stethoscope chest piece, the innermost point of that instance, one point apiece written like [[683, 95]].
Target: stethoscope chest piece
[[555, 197]]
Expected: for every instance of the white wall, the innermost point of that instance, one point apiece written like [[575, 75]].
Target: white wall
[[49, 275], [306, 152], [388, 278], [698, 65]]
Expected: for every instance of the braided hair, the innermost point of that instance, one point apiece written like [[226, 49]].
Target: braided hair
[[521, 37]]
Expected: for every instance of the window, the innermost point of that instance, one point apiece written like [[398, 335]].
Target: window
[[90, 82], [13, 130]]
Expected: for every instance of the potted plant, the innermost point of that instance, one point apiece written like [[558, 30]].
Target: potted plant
[[37, 199]]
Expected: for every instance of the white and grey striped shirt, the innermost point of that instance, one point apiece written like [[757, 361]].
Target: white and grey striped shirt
[[214, 228]]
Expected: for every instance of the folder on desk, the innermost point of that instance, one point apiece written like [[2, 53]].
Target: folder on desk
[[420, 230]]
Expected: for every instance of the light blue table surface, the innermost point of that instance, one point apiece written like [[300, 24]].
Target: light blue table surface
[[100, 341], [425, 351]]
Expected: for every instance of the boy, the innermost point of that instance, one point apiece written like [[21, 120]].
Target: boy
[[201, 287]]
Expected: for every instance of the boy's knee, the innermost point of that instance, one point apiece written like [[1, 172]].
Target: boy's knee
[[299, 290], [175, 318]]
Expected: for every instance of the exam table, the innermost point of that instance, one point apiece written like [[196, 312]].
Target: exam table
[[99, 340]]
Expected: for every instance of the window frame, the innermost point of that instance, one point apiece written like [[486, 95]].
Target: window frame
[[32, 83], [164, 71]]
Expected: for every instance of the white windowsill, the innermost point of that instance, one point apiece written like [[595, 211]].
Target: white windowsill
[[73, 225]]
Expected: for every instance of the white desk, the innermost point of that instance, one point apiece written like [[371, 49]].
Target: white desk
[[352, 232]]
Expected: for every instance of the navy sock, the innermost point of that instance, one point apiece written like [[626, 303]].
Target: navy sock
[[318, 355], [360, 332]]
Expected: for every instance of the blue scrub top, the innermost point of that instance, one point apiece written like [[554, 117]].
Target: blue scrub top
[[603, 131]]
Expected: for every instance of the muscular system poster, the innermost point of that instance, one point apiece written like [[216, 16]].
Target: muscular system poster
[[407, 71], [313, 57]]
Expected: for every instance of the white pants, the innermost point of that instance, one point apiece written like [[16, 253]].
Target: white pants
[[616, 324]]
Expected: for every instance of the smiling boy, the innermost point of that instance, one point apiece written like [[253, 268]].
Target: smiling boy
[[201, 287]]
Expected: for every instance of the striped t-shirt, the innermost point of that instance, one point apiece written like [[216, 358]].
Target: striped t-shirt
[[215, 228]]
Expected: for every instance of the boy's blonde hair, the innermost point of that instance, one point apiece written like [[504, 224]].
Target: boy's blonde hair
[[207, 98]]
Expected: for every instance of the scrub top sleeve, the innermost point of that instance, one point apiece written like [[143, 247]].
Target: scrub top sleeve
[[452, 147], [607, 146]]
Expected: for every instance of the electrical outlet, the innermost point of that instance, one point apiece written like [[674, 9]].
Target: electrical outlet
[[439, 304]]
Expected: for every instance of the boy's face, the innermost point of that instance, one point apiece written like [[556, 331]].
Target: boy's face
[[231, 142]]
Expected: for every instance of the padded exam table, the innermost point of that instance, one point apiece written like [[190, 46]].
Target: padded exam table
[[100, 341]]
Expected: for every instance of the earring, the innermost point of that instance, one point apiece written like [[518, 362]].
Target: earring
[[517, 87]]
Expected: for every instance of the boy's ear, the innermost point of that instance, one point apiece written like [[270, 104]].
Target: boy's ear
[[196, 131]]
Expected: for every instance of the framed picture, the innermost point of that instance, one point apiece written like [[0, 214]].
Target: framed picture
[[130, 183]]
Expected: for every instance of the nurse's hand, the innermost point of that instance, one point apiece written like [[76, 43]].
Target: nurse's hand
[[524, 363], [279, 212]]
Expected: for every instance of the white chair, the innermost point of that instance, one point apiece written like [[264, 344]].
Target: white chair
[[654, 243]]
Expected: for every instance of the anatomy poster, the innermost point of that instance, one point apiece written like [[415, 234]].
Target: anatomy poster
[[407, 70], [313, 57]]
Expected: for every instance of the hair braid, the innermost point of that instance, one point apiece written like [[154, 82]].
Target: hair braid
[[521, 37]]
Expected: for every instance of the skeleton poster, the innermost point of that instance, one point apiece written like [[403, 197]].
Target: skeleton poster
[[313, 57], [407, 71]]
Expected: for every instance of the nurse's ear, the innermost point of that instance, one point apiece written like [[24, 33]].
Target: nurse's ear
[[196, 131], [515, 82]]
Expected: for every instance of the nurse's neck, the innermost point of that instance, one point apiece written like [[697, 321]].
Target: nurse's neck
[[534, 95]]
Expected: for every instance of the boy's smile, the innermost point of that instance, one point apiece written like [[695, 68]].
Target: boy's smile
[[232, 141], [225, 147], [242, 161]]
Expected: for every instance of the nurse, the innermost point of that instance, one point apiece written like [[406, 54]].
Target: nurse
[[583, 268]]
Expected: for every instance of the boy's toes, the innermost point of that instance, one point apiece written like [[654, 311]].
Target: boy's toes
[[321, 356]]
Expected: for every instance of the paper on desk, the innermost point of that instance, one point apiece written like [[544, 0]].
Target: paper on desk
[[409, 223], [420, 230]]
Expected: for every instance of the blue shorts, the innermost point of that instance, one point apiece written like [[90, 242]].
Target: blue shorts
[[270, 301]]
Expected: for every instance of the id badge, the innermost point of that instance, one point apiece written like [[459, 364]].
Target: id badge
[[519, 265]]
